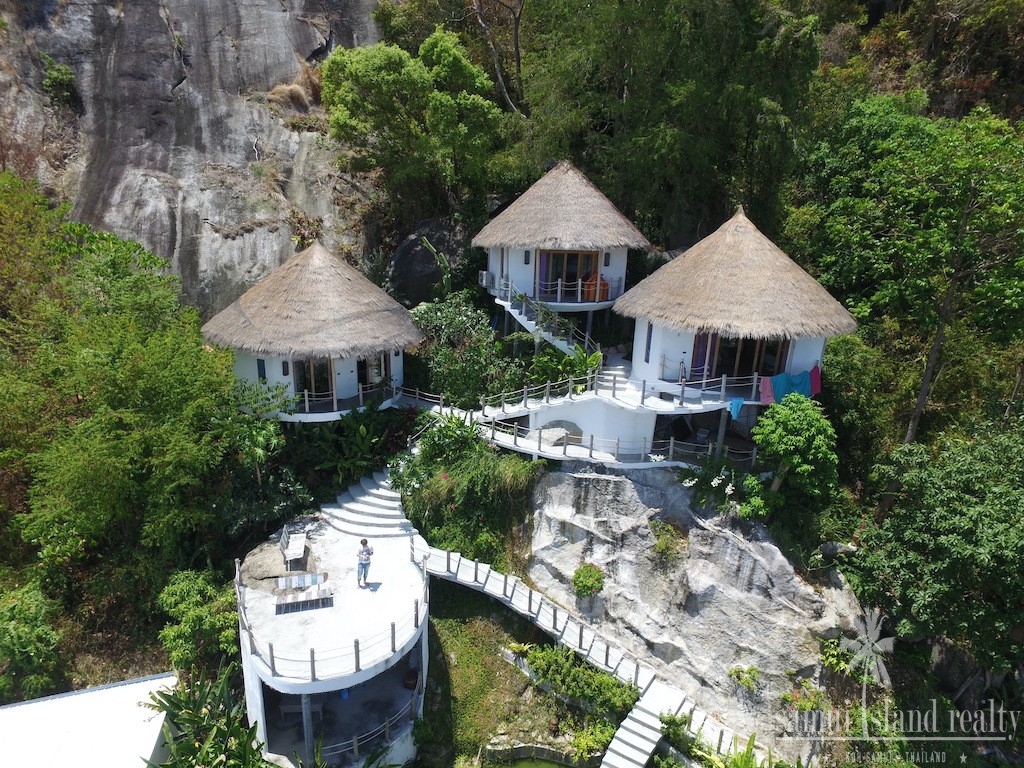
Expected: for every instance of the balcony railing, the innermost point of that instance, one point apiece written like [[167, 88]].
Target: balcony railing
[[332, 661]]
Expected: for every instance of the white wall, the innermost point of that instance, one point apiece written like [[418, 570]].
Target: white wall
[[246, 368], [398, 368], [674, 346], [600, 418], [804, 354]]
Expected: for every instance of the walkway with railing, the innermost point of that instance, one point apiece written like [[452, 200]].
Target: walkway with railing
[[656, 696], [497, 413]]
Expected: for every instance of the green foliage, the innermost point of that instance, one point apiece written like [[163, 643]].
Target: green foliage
[[713, 483], [205, 623], [748, 678], [30, 662], [462, 494], [590, 737], [427, 121], [797, 443], [805, 696], [900, 231], [676, 730], [587, 580], [210, 718], [668, 540], [464, 357], [559, 668], [58, 81], [948, 559]]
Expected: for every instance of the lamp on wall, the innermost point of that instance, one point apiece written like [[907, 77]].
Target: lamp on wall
[[607, 259], [526, 257], [398, 353]]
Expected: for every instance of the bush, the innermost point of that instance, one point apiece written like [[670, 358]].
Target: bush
[[588, 580], [58, 82], [464, 495], [568, 676], [30, 665], [206, 624]]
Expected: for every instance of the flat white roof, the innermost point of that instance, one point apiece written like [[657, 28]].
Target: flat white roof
[[397, 586], [105, 727]]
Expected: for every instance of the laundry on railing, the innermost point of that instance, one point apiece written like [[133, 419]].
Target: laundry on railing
[[815, 380], [735, 406], [787, 383], [767, 393]]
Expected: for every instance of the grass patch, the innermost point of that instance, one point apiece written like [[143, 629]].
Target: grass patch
[[472, 693]]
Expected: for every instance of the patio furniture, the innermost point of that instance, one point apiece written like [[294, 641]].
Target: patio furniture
[[319, 596], [293, 547], [300, 581]]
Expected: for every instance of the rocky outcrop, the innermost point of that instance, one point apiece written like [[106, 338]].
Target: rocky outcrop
[[728, 598], [182, 138]]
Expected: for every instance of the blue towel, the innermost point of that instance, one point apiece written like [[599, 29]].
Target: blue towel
[[785, 383], [735, 406]]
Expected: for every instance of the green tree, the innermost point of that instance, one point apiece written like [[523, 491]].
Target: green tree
[[427, 121], [205, 624], [30, 660], [922, 219], [948, 559]]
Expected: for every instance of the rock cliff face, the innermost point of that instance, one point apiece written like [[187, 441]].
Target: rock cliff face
[[180, 139], [727, 599]]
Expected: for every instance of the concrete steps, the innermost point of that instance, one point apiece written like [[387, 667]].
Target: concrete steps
[[369, 508], [638, 736]]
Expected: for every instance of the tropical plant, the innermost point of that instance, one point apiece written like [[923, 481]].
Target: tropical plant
[[30, 659], [567, 675], [205, 623], [587, 580], [206, 724]]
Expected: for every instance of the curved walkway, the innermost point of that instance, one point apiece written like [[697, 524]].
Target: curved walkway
[[638, 736]]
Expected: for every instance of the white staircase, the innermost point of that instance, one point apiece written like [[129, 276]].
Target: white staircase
[[639, 734], [369, 508], [525, 320]]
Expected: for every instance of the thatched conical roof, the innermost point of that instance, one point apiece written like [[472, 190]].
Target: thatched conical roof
[[563, 210], [738, 283], [314, 305]]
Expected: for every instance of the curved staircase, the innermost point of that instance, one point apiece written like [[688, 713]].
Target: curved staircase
[[369, 509]]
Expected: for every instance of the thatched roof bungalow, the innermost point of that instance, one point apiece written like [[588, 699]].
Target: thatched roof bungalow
[[732, 304], [562, 242], [318, 326]]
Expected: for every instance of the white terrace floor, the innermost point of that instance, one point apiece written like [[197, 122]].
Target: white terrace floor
[[357, 614]]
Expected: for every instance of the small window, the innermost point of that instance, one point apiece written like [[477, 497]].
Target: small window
[[647, 347], [526, 257], [284, 367], [261, 369], [607, 259]]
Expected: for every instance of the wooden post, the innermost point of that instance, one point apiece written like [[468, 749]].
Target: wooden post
[[643, 391], [494, 423], [671, 447], [617, 448], [540, 432], [359, 388], [355, 746], [476, 571], [581, 637], [355, 648], [607, 650], [547, 391], [515, 435], [754, 394], [392, 637], [591, 446], [529, 603], [312, 664], [273, 666], [526, 402], [615, 378], [502, 402], [643, 447], [416, 614], [448, 564], [305, 394], [504, 587], [565, 445], [571, 387], [724, 378]]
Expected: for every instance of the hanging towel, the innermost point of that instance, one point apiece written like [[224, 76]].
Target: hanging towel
[[815, 380], [767, 394], [786, 383], [735, 406]]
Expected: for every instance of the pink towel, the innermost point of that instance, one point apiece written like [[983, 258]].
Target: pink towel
[[767, 393], [815, 380]]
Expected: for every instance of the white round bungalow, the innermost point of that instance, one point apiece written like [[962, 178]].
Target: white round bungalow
[[562, 242], [732, 305], [319, 327]]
